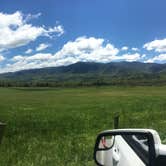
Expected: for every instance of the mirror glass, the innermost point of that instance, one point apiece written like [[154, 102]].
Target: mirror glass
[[106, 142], [123, 149]]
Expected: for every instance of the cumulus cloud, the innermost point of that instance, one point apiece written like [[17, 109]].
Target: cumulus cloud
[[135, 49], [156, 45], [81, 49], [29, 17], [39, 56], [15, 31], [158, 58], [56, 29], [89, 49], [28, 51], [42, 46], [143, 56], [130, 57], [124, 48], [2, 58]]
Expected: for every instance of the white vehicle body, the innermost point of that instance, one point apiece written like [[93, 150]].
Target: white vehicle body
[[120, 154], [130, 151]]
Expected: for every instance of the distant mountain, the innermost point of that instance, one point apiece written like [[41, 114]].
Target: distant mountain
[[89, 73]]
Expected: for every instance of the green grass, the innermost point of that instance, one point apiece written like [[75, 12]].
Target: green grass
[[59, 126]]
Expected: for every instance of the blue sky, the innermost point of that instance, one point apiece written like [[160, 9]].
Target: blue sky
[[42, 33]]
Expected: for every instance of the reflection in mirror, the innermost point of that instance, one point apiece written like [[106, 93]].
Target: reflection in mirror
[[123, 149], [106, 142]]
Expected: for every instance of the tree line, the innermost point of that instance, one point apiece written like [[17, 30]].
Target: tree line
[[128, 81]]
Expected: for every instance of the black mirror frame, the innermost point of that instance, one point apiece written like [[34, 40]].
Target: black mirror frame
[[116, 132]]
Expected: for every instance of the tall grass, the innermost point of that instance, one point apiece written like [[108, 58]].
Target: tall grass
[[59, 126]]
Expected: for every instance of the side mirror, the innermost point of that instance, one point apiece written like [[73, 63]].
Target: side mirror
[[125, 147]]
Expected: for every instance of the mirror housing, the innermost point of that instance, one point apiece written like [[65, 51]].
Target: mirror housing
[[114, 147]]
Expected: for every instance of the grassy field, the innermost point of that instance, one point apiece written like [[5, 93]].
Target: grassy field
[[59, 126]]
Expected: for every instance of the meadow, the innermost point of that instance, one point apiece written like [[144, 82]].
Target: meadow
[[58, 126]]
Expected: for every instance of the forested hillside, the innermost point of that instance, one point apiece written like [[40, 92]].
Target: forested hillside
[[88, 73]]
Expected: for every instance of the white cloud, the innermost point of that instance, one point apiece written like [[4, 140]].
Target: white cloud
[[89, 49], [124, 48], [82, 49], [39, 56], [42, 46], [18, 58], [135, 49], [143, 56], [149, 61], [29, 17], [15, 19], [28, 51], [158, 58], [2, 58], [56, 29], [156, 45], [130, 57], [16, 32]]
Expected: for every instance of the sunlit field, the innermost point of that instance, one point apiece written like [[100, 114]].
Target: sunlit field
[[58, 126]]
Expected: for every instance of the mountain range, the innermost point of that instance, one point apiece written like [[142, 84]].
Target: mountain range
[[89, 73]]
